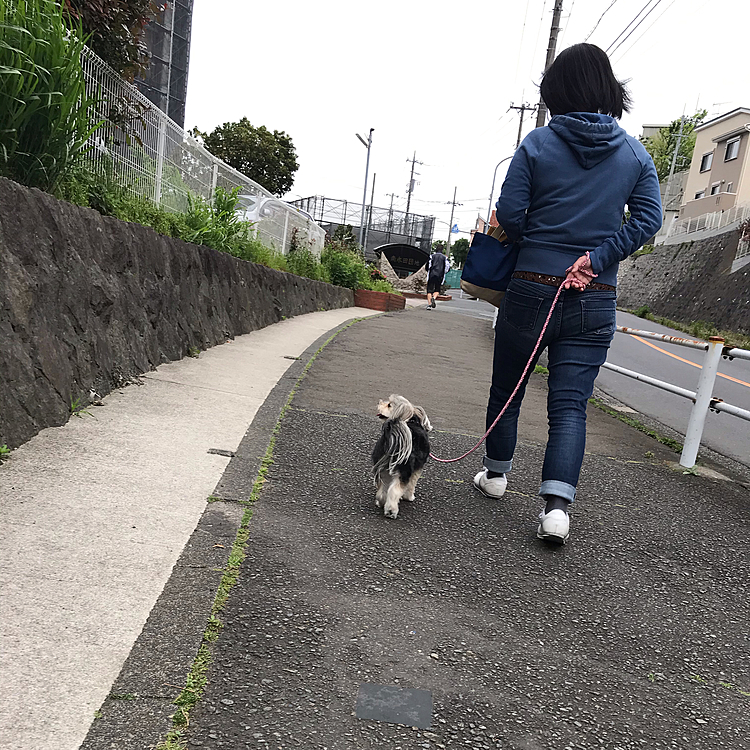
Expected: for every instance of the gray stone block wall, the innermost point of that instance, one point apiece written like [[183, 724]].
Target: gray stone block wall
[[690, 281], [88, 302]]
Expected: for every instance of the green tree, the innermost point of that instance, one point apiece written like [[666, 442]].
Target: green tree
[[459, 251], [266, 156], [345, 234], [117, 30], [662, 145]]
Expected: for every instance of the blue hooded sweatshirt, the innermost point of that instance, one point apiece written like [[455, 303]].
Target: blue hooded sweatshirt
[[566, 192]]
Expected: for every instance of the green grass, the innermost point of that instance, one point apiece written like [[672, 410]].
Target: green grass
[[77, 409], [699, 328], [675, 445], [44, 110], [645, 250], [4, 452], [198, 676], [539, 370]]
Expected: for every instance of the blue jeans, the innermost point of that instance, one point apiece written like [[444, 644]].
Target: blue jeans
[[578, 337]]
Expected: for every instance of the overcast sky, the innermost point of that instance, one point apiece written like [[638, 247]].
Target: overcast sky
[[438, 78]]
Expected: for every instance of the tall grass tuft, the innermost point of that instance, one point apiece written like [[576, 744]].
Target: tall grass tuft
[[44, 108]]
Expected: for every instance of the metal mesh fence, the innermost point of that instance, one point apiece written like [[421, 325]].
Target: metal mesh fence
[[145, 152], [334, 211]]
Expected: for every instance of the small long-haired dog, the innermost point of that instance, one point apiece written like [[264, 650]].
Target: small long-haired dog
[[401, 452]]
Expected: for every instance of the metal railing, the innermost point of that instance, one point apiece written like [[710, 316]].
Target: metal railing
[[151, 156], [713, 221], [336, 211], [703, 398]]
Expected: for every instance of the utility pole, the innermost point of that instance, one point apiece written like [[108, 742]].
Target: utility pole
[[390, 216], [450, 225], [522, 109], [672, 166], [367, 144], [541, 114], [410, 188], [369, 213]]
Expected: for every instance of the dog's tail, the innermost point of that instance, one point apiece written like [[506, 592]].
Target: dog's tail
[[398, 447]]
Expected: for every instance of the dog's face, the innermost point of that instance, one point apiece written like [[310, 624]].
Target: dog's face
[[396, 407]]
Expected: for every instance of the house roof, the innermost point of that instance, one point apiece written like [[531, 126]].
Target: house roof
[[721, 118], [737, 131]]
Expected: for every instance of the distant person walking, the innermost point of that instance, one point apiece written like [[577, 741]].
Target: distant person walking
[[563, 202], [437, 267]]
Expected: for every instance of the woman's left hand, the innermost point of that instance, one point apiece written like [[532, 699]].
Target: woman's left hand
[[579, 275]]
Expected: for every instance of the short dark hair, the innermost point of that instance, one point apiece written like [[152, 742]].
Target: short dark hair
[[581, 80]]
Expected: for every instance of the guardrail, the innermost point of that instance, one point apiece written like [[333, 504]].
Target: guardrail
[[703, 398]]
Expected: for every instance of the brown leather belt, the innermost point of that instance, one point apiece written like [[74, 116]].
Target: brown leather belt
[[541, 278]]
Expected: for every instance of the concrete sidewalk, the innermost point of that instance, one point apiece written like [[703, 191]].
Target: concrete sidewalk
[[634, 635], [95, 514]]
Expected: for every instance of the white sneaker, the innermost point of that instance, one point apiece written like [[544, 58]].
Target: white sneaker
[[494, 487], [554, 526]]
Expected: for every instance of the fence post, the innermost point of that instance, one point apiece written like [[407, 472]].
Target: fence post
[[286, 227], [214, 180], [703, 396], [160, 158]]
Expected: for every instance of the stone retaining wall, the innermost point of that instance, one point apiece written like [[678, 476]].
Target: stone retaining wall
[[87, 302], [690, 281]]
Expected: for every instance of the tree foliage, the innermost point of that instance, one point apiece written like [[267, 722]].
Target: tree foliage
[[117, 30], [459, 251], [266, 156], [662, 145]]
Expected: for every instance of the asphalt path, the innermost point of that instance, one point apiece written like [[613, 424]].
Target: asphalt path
[[678, 365]]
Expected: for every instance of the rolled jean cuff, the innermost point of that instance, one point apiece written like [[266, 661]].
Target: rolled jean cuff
[[554, 487], [499, 466]]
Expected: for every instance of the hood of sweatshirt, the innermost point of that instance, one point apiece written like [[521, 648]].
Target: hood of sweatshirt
[[592, 137]]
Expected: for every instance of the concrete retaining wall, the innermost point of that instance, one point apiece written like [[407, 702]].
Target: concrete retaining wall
[[690, 281], [88, 302]]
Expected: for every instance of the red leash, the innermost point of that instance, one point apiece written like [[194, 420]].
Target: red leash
[[512, 395]]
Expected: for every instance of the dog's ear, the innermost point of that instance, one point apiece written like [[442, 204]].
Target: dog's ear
[[420, 413]]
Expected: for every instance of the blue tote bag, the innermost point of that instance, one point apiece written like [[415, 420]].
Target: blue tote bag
[[489, 266]]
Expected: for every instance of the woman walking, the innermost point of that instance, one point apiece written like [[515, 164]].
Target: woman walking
[[563, 202]]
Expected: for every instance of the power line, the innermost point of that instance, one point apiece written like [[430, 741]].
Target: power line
[[541, 113], [596, 25], [520, 44], [630, 28], [567, 23], [653, 8], [629, 24], [538, 35], [646, 31]]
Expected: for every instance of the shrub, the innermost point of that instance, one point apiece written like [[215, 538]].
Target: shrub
[[383, 286], [102, 193], [345, 267], [642, 312], [44, 109]]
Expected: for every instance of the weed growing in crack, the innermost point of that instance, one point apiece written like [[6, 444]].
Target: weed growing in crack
[[675, 445], [77, 409], [198, 676]]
